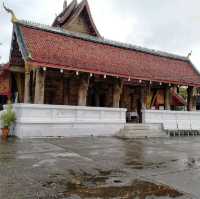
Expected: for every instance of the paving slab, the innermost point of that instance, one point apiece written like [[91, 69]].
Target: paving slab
[[100, 167]]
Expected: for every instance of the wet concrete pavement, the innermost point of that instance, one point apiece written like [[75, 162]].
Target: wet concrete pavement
[[100, 168]]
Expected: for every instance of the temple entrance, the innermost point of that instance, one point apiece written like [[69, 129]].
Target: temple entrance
[[130, 100], [99, 93]]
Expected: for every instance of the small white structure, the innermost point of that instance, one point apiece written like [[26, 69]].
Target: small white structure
[[173, 120], [67, 121]]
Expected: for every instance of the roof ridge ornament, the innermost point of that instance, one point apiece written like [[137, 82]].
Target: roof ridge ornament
[[14, 18], [65, 5], [189, 54]]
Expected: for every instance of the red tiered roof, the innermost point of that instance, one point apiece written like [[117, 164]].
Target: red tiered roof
[[57, 48]]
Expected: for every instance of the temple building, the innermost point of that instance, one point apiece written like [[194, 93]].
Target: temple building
[[5, 81], [70, 63]]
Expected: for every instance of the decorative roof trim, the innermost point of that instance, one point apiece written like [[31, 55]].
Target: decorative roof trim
[[22, 45], [58, 30], [71, 68], [13, 17]]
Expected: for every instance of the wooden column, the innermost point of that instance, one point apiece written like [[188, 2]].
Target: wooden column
[[142, 97], [189, 98], [39, 86], [83, 90], [117, 91], [167, 98], [20, 87], [27, 84], [194, 103]]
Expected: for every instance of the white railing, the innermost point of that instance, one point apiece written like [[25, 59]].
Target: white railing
[[173, 120], [52, 120]]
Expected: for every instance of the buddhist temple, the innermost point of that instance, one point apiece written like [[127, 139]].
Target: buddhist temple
[[70, 63]]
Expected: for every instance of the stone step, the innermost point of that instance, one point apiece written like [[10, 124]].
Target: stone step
[[142, 131], [143, 126]]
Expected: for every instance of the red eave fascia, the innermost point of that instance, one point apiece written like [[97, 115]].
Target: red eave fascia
[[60, 66]]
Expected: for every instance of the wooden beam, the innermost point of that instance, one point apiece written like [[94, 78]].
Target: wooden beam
[[83, 90], [39, 86], [17, 69], [189, 98], [167, 98], [142, 97], [27, 84], [20, 86], [117, 91]]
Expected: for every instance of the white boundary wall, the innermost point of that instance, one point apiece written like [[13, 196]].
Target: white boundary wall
[[173, 120], [67, 121]]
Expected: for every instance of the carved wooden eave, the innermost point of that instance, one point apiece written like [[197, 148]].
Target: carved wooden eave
[[19, 53], [22, 45], [17, 36], [71, 14], [62, 17]]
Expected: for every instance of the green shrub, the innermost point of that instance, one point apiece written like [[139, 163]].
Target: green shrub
[[8, 117]]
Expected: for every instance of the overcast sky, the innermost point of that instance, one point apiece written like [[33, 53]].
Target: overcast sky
[[167, 25]]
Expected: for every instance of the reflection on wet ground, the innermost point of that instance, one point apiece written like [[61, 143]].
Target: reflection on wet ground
[[91, 168], [88, 186]]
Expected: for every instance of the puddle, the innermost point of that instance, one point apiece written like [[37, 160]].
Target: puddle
[[134, 164], [88, 186], [138, 189]]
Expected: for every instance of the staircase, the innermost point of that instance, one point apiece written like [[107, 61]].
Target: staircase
[[142, 131]]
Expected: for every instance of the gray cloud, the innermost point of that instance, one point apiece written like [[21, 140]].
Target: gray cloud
[[172, 26]]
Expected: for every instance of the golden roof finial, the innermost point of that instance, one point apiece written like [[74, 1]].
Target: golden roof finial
[[14, 18]]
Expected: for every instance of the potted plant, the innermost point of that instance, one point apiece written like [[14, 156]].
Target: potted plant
[[7, 118]]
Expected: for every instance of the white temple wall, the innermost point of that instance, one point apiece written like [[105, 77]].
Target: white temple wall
[[173, 120], [67, 121]]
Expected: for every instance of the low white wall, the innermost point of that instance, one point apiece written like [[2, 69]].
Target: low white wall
[[173, 120], [67, 121]]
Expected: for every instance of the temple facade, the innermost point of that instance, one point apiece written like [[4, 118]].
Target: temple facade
[[70, 63]]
